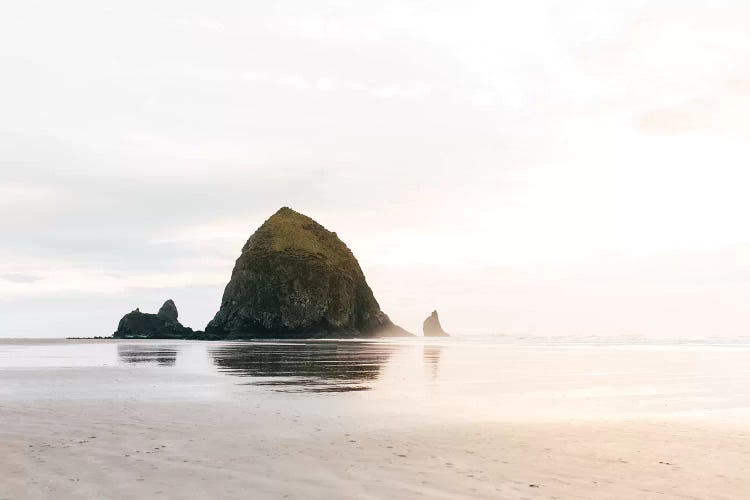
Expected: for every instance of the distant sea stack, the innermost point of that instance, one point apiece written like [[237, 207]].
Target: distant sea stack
[[432, 328], [162, 325], [296, 279]]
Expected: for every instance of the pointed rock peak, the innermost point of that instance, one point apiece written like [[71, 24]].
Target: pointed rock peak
[[291, 232], [168, 312], [431, 326], [287, 215], [287, 212]]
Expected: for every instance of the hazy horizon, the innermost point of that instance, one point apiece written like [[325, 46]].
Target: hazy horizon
[[537, 168]]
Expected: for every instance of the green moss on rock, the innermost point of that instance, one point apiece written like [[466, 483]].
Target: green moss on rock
[[296, 279]]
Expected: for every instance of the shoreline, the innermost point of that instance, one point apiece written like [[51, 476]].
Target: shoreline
[[373, 418]]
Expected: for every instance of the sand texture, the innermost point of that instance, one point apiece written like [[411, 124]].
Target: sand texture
[[383, 420]]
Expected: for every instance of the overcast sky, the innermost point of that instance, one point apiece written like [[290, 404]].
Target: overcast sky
[[537, 167]]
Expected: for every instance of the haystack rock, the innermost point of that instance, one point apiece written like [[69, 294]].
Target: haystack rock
[[162, 325], [296, 279], [432, 328]]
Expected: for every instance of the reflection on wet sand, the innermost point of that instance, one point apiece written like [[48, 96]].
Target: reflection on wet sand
[[305, 367], [144, 353], [431, 355]]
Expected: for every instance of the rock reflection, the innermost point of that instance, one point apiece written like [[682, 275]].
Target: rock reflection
[[305, 367], [431, 355], [140, 353]]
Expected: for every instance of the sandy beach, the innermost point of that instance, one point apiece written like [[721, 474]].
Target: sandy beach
[[128, 450], [214, 435]]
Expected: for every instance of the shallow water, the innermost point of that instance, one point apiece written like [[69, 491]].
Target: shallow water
[[454, 379]]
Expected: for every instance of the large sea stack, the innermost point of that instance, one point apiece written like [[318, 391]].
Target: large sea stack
[[162, 325], [431, 326], [296, 279]]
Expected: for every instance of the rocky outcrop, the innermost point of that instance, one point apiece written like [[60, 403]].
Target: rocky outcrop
[[296, 279], [168, 312], [431, 326], [162, 325]]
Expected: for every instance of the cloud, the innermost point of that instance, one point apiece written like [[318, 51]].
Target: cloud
[[726, 110], [483, 98], [417, 90], [325, 84], [20, 277], [16, 194], [198, 23], [57, 279], [294, 81]]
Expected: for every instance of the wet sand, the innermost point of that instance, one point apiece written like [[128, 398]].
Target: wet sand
[[154, 420]]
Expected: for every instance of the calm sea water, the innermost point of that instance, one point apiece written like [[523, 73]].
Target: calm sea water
[[478, 378]]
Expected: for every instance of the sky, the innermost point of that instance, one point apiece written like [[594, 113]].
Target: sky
[[544, 168]]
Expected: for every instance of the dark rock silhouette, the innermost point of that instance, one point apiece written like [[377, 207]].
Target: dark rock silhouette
[[163, 325], [296, 279], [432, 328], [168, 312]]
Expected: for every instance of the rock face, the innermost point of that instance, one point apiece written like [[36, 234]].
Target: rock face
[[162, 325], [168, 312], [432, 328], [296, 279]]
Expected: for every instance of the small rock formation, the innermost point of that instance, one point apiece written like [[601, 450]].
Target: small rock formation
[[432, 328], [296, 279], [162, 325], [168, 312]]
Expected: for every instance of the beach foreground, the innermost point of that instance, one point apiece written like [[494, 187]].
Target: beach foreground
[[145, 424], [148, 450]]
